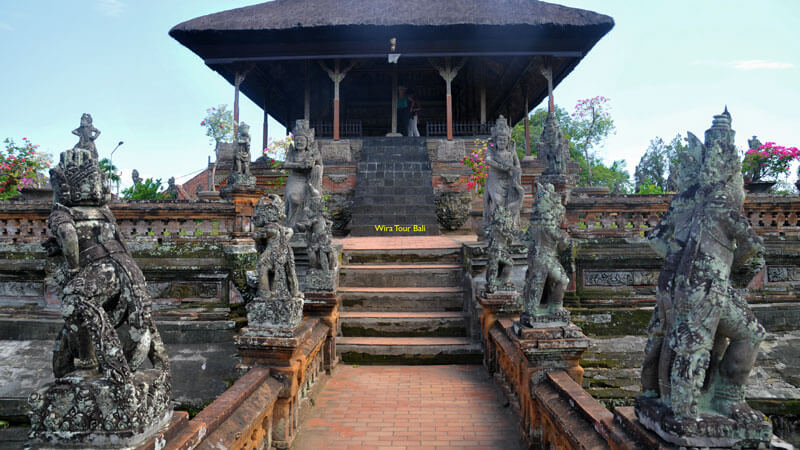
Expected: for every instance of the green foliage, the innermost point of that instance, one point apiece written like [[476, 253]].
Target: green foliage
[[148, 189], [647, 186], [615, 177], [218, 124], [581, 135], [21, 166], [658, 166], [592, 125]]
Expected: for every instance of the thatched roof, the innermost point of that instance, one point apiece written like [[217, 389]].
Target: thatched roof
[[279, 43], [285, 14]]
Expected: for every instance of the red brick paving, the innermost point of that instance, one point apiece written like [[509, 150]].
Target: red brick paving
[[409, 407], [403, 242]]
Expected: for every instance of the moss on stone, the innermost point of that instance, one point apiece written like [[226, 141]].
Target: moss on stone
[[623, 321]]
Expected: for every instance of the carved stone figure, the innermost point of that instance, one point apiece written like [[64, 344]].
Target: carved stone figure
[[278, 302], [135, 177], [87, 134], [500, 262], [102, 394], [545, 279], [322, 258], [669, 239], [240, 171], [305, 177], [553, 147], [504, 181], [172, 189], [711, 334]]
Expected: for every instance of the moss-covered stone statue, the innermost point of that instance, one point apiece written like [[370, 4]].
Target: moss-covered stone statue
[[87, 134], [305, 177], [545, 279], [500, 261], [322, 257], [504, 180], [277, 306], [240, 175], [708, 335], [103, 395]]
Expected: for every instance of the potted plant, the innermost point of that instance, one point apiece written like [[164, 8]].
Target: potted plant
[[765, 164]]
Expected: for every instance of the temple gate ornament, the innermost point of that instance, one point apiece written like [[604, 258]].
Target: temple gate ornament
[[545, 279], [102, 395], [304, 161], [704, 338], [504, 181], [277, 304], [87, 134]]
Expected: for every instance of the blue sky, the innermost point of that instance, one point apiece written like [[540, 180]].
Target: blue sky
[[667, 67]]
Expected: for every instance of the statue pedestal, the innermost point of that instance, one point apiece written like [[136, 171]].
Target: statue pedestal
[[500, 303], [244, 199], [552, 347], [80, 411], [325, 307], [209, 195], [708, 431]]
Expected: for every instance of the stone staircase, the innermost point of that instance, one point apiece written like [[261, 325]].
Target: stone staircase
[[394, 192], [404, 307]]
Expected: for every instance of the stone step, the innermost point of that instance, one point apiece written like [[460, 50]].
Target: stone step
[[408, 350], [407, 324], [406, 299], [399, 275], [403, 256]]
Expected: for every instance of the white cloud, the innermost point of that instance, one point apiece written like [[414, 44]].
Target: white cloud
[[754, 64], [110, 8], [747, 64]]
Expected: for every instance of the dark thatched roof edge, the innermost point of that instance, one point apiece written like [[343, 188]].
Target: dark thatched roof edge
[[293, 14]]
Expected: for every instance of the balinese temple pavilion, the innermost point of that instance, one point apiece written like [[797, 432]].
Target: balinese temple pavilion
[[339, 64]]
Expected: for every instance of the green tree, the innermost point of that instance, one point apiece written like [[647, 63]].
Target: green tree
[[576, 129], [148, 189], [593, 124], [658, 166], [110, 170]]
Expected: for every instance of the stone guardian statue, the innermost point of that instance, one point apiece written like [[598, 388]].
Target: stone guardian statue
[[545, 279], [103, 395], [278, 303], [711, 333], [504, 181], [305, 177]]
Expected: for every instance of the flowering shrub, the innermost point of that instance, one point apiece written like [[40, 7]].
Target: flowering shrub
[[476, 161], [21, 166], [275, 152], [218, 124], [275, 155], [768, 161]]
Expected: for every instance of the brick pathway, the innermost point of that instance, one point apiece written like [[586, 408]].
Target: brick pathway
[[409, 407], [404, 242]]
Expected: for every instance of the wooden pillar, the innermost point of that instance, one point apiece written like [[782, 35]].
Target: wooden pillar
[[336, 102], [237, 81], [394, 99], [527, 126], [336, 75], [265, 140], [449, 73], [307, 102], [483, 95], [449, 100], [238, 77]]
